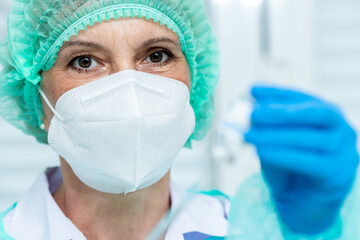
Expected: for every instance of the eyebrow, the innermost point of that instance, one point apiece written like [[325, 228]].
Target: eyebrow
[[100, 47], [81, 44], [159, 40]]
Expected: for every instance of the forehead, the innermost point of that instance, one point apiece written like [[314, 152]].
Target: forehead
[[131, 30]]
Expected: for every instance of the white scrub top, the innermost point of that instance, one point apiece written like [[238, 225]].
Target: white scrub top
[[38, 217]]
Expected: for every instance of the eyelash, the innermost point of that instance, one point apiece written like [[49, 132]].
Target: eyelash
[[171, 57], [72, 66]]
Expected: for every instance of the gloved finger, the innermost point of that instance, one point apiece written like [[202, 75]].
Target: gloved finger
[[270, 93], [279, 179], [305, 114], [319, 139], [333, 168], [308, 163], [345, 165]]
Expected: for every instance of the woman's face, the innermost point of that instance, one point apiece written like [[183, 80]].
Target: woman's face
[[110, 47]]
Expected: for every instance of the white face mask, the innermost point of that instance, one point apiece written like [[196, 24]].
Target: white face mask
[[122, 133]]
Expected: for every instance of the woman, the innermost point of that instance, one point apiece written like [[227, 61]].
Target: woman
[[117, 88]]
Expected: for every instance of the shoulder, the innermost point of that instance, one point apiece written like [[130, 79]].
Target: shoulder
[[196, 215], [217, 201], [202, 203], [30, 214]]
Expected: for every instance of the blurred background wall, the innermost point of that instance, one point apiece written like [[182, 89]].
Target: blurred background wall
[[312, 45]]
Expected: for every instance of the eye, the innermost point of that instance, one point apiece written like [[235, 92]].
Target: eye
[[84, 63], [158, 57]]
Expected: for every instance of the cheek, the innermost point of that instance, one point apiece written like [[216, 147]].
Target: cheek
[[187, 77], [183, 74], [180, 72], [55, 84]]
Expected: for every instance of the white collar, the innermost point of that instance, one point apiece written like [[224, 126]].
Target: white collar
[[38, 217]]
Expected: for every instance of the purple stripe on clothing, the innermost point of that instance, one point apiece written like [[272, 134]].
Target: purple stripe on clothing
[[195, 236], [54, 178]]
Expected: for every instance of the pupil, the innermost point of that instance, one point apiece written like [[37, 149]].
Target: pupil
[[156, 57], [85, 62]]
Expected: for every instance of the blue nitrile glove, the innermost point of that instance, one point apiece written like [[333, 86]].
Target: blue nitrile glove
[[308, 156]]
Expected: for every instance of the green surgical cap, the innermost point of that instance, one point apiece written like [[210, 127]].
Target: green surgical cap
[[38, 28]]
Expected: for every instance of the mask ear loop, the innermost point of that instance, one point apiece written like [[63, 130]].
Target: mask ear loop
[[49, 104]]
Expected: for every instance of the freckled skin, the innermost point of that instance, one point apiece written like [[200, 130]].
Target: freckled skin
[[98, 215]]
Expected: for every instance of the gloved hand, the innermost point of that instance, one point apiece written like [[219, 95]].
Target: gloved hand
[[308, 156]]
